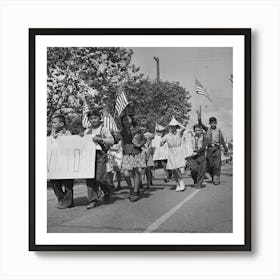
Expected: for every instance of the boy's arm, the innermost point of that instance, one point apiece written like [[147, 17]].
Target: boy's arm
[[224, 143], [204, 127]]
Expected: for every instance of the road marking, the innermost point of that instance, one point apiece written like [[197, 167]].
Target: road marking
[[169, 213]]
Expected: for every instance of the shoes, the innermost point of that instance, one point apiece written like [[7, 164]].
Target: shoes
[[165, 180], [133, 198], [182, 185], [216, 180], [93, 204], [178, 188], [60, 205]]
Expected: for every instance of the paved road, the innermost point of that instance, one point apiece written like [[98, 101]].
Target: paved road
[[162, 210]]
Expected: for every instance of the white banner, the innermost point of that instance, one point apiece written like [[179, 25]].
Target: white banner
[[70, 157]]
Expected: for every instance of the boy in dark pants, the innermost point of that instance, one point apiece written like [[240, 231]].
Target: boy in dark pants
[[213, 156], [64, 196], [197, 162], [98, 187]]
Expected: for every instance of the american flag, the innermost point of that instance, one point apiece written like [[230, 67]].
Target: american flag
[[85, 121], [199, 89], [121, 101], [109, 122]]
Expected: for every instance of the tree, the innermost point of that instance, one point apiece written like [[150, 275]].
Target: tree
[[95, 72], [159, 101]]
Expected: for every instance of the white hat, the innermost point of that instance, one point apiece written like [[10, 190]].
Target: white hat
[[159, 127], [173, 122]]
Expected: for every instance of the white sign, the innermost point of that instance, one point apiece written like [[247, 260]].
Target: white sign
[[71, 157]]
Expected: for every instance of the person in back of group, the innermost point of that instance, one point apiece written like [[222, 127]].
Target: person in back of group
[[148, 150], [98, 189], [64, 196], [175, 158], [213, 156], [114, 161], [197, 162]]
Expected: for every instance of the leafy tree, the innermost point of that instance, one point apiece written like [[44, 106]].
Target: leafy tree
[[159, 101], [95, 72]]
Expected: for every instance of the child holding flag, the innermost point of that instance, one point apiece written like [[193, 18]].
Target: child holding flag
[[103, 139], [213, 156], [133, 159]]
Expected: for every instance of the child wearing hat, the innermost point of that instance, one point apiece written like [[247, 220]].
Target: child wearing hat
[[160, 152], [175, 158], [197, 162], [101, 136], [213, 156]]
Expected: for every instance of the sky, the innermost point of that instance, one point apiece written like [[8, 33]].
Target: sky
[[211, 66]]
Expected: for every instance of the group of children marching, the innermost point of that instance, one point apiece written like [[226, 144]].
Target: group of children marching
[[135, 151]]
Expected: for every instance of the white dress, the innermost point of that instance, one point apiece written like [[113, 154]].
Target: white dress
[[161, 152], [176, 157]]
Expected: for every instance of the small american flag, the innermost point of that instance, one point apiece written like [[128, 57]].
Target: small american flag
[[109, 122], [85, 121], [121, 101], [199, 89]]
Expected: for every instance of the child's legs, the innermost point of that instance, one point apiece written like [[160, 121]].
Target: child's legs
[[217, 164], [201, 171], [92, 188], [68, 194], [164, 163], [119, 176], [149, 175], [194, 168], [57, 188], [128, 176], [110, 177], [176, 175], [137, 178]]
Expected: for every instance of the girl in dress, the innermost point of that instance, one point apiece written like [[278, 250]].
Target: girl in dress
[[175, 158], [160, 152], [133, 160]]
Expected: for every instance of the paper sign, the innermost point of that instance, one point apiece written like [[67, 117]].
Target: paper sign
[[70, 157]]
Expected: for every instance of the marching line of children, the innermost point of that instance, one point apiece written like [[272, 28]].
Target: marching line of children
[[134, 151]]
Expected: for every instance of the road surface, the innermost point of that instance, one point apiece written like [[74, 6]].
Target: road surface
[[162, 210]]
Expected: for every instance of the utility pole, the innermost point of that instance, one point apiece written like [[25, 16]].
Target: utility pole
[[157, 62]]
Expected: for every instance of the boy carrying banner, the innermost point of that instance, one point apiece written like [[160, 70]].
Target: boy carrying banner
[[64, 196]]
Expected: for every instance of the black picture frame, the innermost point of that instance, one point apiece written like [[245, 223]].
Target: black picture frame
[[246, 32]]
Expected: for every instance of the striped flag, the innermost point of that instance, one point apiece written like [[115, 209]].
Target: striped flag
[[199, 89], [85, 121], [109, 122], [121, 101]]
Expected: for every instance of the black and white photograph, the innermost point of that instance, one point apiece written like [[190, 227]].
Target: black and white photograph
[[143, 141]]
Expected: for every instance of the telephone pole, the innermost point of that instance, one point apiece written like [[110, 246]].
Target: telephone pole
[[157, 62]]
